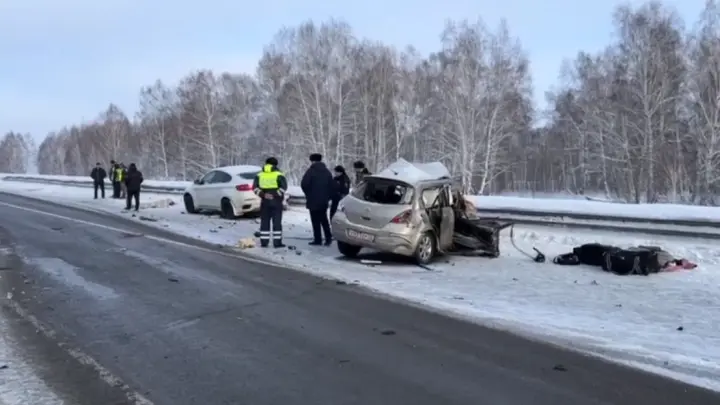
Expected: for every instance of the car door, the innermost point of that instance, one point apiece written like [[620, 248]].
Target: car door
[[201, 189], [437, 205], [217, 188], [447, 223]]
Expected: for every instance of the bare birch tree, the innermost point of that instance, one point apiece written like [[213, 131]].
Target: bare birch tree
[[636, 121]]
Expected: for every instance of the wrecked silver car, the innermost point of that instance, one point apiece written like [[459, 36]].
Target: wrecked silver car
[[411, 210]]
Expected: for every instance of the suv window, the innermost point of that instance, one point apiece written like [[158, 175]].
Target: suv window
[[208, 177], [430, 197], [382, 191], [248, 175], [221, 177]]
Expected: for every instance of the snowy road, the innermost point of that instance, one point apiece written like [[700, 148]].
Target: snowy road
[[33, 368], [187, 323], [665, 323]]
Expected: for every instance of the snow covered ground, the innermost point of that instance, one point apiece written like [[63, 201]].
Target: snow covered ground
[[666, 323], [558, 204]]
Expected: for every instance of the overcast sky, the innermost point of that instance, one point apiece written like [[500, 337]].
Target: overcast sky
[[62, 61]]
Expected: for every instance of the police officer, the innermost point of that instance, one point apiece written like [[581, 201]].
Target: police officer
[[118, 179], [270, 185]]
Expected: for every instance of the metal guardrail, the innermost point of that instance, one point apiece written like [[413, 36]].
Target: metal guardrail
[[667, 227], [80, 183], [148, 188], [706, 223]]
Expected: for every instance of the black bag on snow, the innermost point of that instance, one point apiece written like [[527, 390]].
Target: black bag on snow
[[592, 254], [635, 260]]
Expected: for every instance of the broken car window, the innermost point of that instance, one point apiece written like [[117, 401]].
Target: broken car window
[[430, 197], [382, 191]]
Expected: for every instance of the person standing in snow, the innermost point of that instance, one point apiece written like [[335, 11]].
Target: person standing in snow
[[113, 180], [133, 181], [270, 185], [123, 186], [342, 188], [360, 171], [318, 186], [98, 175]]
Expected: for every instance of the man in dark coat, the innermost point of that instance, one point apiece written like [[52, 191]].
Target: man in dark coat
[[318, 186], [98, 175], [342, 188], [133, 180], [360, 171]]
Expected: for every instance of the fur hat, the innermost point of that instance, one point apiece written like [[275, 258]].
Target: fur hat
[[316, 157], [359, 165], [271, 161]]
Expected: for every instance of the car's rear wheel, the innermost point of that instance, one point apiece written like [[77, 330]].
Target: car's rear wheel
[[226, 209], [189, 204], [348, 250], [426, 249]]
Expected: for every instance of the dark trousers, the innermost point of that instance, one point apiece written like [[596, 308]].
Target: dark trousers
[[99, 186], [116, 189], [134, 194], [319, 220], [271, 211], [334, 205]]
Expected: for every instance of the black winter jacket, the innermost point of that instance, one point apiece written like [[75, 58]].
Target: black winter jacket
[[342, 186], [318, 186], [98, 175], [133, 179]]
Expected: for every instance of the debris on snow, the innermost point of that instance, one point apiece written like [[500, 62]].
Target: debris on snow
[[246, 243], [370, 262], [162, 203]]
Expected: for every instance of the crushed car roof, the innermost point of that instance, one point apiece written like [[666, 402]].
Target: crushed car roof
[[412, 173]]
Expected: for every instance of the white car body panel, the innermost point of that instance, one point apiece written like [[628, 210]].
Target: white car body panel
[[208, 196]]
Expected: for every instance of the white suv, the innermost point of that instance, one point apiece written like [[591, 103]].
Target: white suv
[[228, 190]]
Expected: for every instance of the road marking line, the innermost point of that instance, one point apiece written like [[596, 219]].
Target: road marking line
[[233, 255], [83, 358]]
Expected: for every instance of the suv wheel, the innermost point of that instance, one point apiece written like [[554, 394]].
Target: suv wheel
[[426, 248], [189, 204]]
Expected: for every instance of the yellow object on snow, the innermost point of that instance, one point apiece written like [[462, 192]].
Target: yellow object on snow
[[246, 243]]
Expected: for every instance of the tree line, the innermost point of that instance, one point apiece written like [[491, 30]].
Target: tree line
[[639, 121], [17, 153]]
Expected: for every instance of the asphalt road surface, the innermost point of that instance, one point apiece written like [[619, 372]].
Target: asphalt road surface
[[182, 322]]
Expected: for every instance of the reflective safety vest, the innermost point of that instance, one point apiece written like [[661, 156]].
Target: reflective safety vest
[[268, 179], [119, 174]]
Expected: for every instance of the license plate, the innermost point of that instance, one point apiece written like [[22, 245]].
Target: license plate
[[360, 235]]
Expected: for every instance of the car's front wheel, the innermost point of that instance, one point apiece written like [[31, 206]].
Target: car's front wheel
[[189, 204], [348, 250], [426, 248]]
